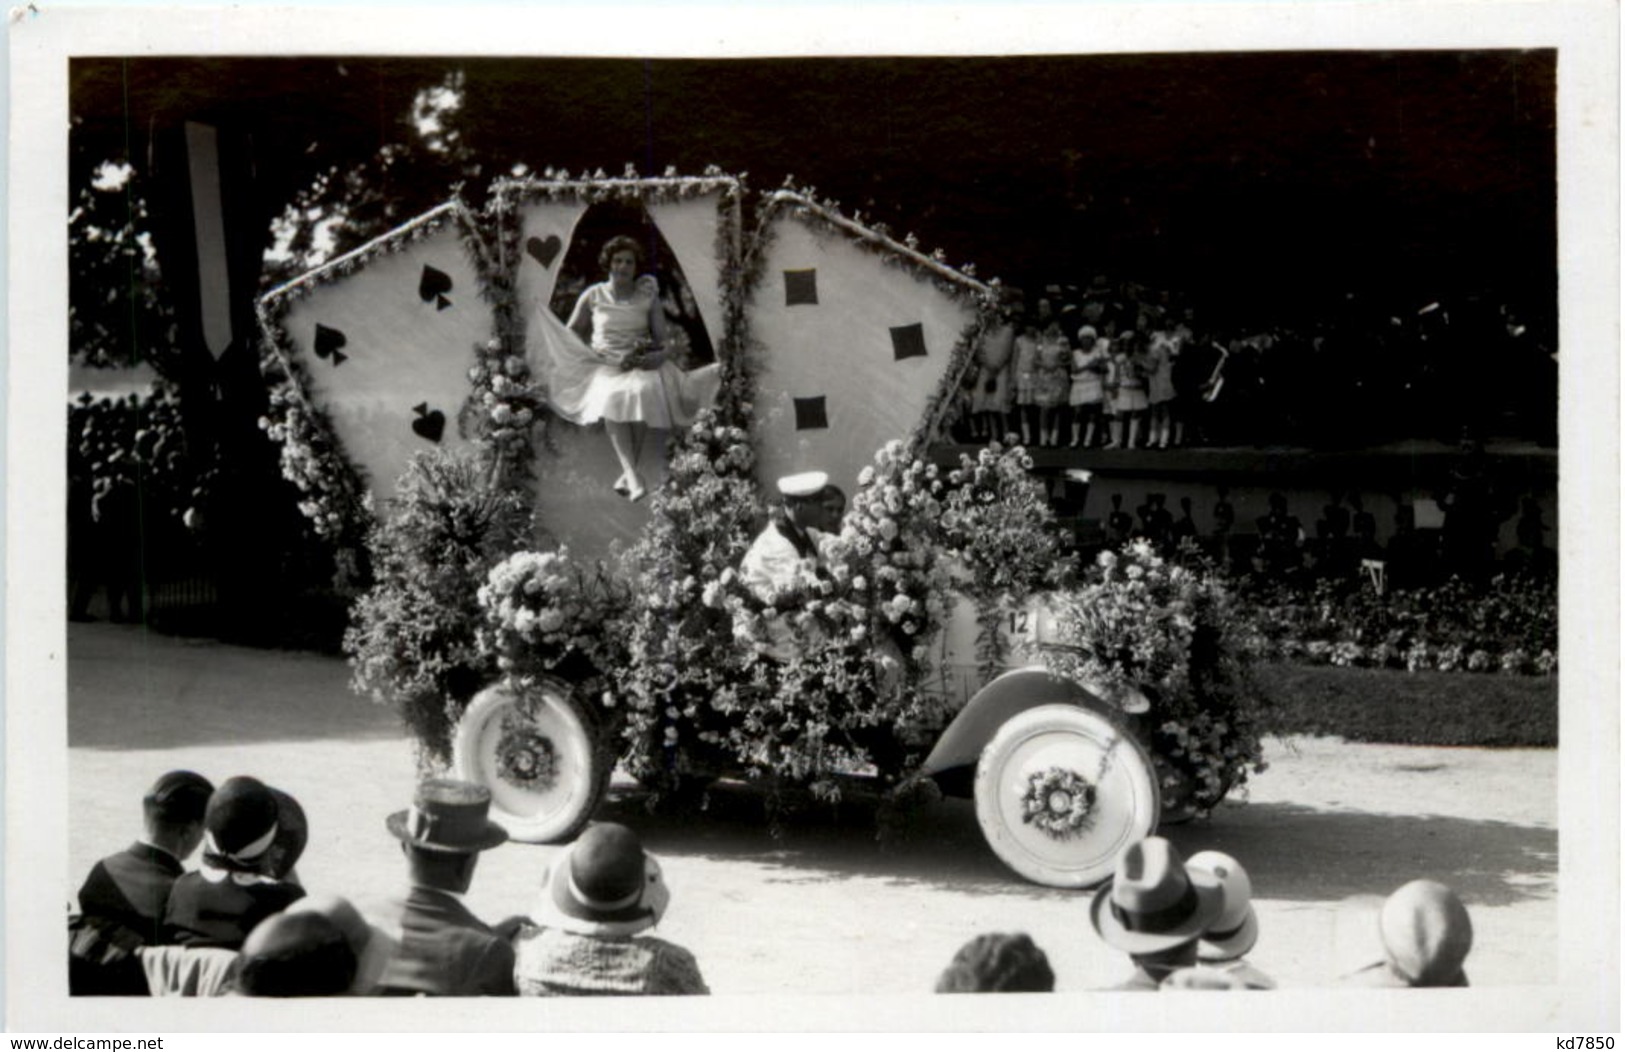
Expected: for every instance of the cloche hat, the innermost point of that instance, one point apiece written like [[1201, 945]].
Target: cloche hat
[[603, 884]]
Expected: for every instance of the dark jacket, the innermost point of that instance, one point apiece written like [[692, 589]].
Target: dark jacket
[[132, 888], [445, 951], [203, 912]]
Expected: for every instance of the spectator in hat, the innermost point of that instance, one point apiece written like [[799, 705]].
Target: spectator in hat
[[371, 946], [1426, 935], [1155, 909], [445, 950], [131, 888], [599, 898], [997, 964], [236, 887], [1233, 934], [294, 955]]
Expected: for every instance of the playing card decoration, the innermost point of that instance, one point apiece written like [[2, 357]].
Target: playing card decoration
[[327, 343], [544, 250], [575, 475], [858, 337], [810, 414], [800, 286], [405, 365], [855, 340], [433, 286], [429, 425], [908, 341]]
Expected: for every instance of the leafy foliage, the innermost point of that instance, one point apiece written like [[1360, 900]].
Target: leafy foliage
[[413, 640]]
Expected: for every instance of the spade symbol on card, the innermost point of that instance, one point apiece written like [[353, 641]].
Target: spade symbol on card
[[433, 286], [544, 252], [328, 342], [428, 424]]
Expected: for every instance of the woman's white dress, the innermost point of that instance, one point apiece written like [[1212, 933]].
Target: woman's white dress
[[587, 383]]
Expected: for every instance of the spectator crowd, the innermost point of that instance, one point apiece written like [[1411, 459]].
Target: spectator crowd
[[1120, 366], [242, 924]]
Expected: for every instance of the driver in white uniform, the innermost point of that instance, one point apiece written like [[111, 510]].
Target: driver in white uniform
[[782, 562]]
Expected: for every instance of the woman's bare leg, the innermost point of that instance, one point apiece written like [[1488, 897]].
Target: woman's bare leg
[[622, 441]]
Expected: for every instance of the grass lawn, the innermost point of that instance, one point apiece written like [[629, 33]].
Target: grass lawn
[[1413, 708]]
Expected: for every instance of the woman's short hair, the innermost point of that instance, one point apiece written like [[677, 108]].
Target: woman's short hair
[[620, 243], [998, 963]]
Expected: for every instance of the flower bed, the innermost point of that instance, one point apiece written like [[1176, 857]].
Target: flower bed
[[1508, 625]]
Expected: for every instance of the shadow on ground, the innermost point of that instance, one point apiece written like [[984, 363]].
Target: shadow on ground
[[129, 688], [1309, 855]]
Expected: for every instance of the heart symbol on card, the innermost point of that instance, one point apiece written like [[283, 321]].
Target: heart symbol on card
[[433, 285], [328, 342], [430, 424], [544, 252]]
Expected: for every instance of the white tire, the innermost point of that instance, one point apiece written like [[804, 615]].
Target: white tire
[[1061, 790], [539, 758]]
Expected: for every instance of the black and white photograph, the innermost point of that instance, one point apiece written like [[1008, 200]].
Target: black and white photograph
[[780, 518]]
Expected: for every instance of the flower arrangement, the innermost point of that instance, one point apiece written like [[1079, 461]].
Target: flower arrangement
[[544, 610], [683, 663], [998, 521], [413, 640], [1139, 622]]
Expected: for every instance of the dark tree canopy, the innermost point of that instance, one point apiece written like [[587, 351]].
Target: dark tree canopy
[[1260, 187]]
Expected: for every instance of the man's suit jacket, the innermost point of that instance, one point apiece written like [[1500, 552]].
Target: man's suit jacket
[[445, 951], [132, 888]]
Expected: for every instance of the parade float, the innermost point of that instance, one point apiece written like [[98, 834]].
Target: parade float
[[536, 629]]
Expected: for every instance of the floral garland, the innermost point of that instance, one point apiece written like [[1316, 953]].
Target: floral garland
[[1059, 802], [525, 758]]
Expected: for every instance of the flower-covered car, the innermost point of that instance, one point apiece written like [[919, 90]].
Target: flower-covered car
[[536, 629]]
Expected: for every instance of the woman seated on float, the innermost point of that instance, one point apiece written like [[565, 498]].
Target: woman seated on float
[[610, 362]]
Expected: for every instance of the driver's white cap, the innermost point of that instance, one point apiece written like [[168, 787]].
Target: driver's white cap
[[806, 484]]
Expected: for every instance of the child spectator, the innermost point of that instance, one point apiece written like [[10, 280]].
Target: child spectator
[[1026, 369], [1125, 387], [1051, 383], [1160, 389], [990, 401], [1088, 394]]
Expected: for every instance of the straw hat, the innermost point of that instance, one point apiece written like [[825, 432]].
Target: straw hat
[[1236, 929]]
